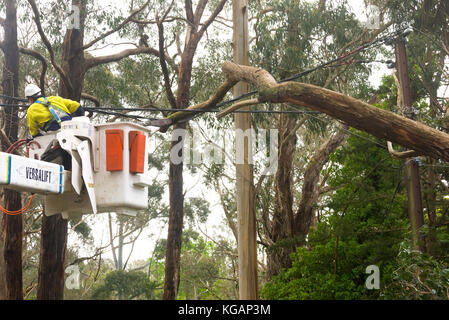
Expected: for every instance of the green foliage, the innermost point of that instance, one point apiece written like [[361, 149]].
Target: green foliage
[[126, 285], [312, 277], [363, 224], [202, 266], [299, 35], [81, 228], [418, 276], [196, 209]]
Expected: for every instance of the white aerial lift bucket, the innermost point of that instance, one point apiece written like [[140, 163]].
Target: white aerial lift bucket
[[109, 169]]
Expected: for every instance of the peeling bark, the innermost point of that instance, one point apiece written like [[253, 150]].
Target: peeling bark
[[283, 218], [310, 189]]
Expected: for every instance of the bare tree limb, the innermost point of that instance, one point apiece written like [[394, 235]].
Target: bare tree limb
[[43, 61], [121, 25], [237, 106], [199, 12], [403, 154], [162, 61], [91, 98], [189, 11], [212, 17], [5, 138], [48, 45], [93, 62], [310, 188]]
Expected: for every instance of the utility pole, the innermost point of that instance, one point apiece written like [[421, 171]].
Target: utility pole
[[247, 245], [412, 177]]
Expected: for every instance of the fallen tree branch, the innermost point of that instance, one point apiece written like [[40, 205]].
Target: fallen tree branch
[[403, 154], [237, 106], [380, 123]]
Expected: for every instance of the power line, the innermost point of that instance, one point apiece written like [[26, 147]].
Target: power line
[[115, 111], [379, 41], [13, 98], [198, 111], [14, 105]]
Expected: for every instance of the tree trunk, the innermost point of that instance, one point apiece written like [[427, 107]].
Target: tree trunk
[[54, 228], [430, 196], [176, 219], [278, 257], [175, 224], [12, 226], [119, 265], [52, 258], [2, 260], [310, 187], [175, 180]]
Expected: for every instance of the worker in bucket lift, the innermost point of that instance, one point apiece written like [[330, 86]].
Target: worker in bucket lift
[[46, 114]]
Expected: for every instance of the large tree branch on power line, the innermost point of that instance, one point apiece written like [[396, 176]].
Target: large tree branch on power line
[[48, 45], [121, 25], [43, 61], [380, 123], [93, 62]]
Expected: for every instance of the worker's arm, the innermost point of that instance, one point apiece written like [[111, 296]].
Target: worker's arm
[[79, 112], [32, 124], [72, 106]]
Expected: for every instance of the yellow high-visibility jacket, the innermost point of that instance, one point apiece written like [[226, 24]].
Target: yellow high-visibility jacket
[[39, 116]]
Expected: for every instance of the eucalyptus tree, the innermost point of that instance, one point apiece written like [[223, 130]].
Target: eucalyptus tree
[[293, 37], [11, 226], [193, 26], [71, 68]]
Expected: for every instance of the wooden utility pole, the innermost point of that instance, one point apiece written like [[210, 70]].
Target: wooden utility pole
[[412, 177], [247, 245]]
